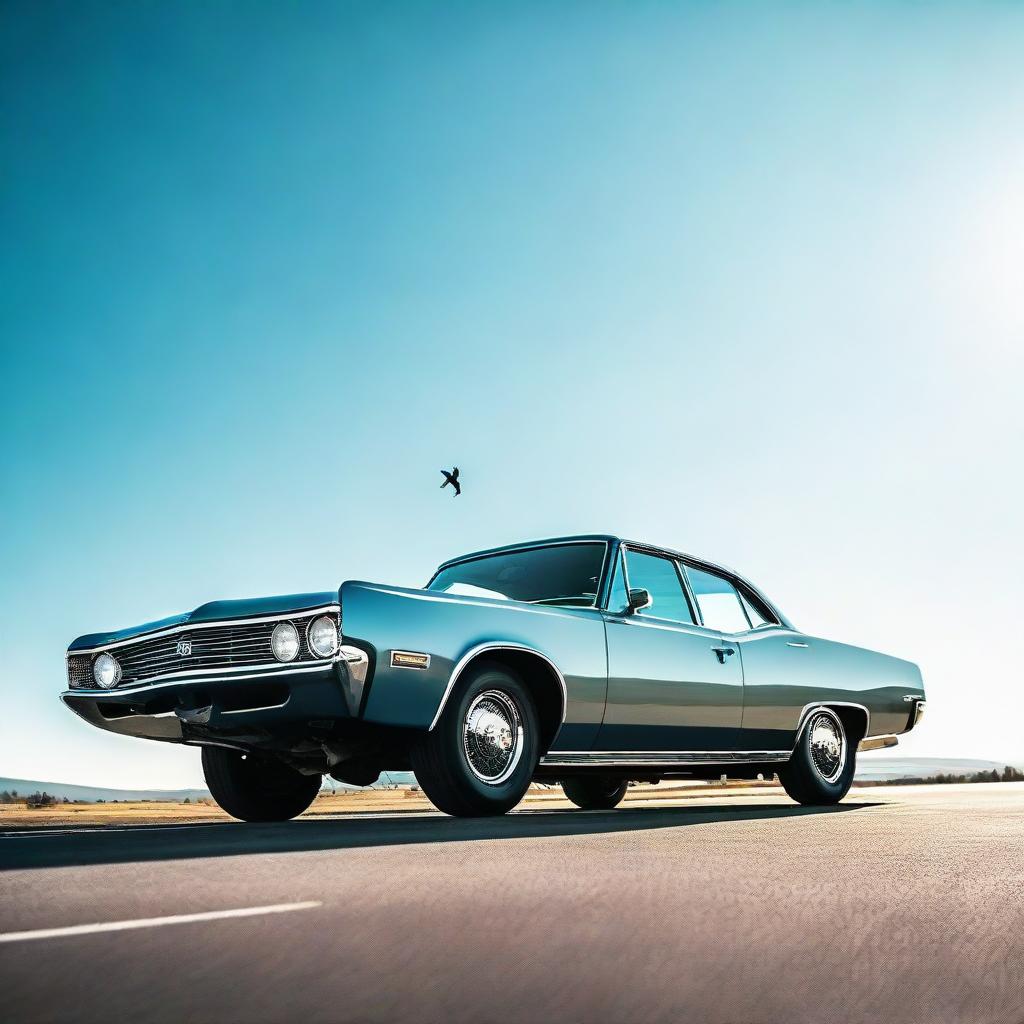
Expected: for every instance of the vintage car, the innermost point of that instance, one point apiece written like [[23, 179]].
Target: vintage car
[[592, 661]]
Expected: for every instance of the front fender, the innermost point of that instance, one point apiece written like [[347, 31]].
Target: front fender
[[448, 629]]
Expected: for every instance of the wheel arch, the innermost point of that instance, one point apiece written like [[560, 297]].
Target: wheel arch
[[539, 674], [856, 719]]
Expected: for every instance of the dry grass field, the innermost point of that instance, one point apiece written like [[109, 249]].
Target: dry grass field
[[370, 801]]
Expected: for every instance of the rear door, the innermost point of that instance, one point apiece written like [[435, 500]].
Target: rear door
[[778, 664], [672, 686]]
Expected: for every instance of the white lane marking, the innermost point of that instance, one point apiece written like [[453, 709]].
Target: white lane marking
[[154, 922]]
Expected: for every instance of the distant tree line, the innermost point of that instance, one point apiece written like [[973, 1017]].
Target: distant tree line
[[36, 799], [1008, 774]]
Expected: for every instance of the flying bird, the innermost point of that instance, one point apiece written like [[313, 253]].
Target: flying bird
[[453, 479]]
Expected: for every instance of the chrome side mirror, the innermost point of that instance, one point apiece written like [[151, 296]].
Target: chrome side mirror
[[638, 598]]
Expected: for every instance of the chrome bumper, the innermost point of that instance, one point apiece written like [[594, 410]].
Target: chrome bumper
[[877, 743], [263, 699]]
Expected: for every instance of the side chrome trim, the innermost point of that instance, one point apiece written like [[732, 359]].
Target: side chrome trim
[[262, 707], [626, 758], [808, 708], [497, 646], [170, 631]]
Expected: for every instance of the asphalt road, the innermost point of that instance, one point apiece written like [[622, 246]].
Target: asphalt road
[[901, 905]]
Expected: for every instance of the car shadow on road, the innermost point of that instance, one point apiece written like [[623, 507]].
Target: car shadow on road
[[119, 845]]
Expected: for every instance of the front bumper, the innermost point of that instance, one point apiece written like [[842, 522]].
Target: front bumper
[[269, 700]]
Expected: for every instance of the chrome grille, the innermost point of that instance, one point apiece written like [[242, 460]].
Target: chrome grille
[[230, 646], [80, 670]]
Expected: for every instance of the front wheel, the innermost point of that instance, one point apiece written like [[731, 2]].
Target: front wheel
[[257, 790], [481, 755], [821, 769], [595, 793]]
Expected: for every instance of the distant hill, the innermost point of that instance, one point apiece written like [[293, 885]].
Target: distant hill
[[869, 769], [386, 779], [91, 794], [60, 790], [875, 769]]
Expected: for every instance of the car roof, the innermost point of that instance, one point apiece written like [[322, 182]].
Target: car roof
[[609, 538], [577, 538], [599, 538]]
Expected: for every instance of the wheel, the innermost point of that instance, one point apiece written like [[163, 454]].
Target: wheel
[[482, 753], [595, 792], [257, 790], [822, 766]]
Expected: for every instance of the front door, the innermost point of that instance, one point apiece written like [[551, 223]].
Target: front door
[[673, 685]]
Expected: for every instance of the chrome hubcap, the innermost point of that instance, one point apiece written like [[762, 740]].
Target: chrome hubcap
[[492, 737], [828, 745]]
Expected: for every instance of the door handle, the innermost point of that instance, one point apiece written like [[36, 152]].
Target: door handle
[[723, 653], [796, 643]]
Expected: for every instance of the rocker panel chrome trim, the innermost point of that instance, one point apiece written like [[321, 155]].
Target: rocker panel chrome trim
[[663, 758]]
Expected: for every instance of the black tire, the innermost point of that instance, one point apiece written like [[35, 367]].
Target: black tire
[[452, 762], [254, 789], [595, 792], [815, 775]]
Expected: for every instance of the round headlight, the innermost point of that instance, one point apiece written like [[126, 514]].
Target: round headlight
[[323, 636], [106, 671], [284, 642]]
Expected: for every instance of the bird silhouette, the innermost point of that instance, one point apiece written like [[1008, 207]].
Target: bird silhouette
[[453, 479]]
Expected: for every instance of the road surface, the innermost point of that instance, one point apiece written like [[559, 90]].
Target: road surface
[[901, 905]]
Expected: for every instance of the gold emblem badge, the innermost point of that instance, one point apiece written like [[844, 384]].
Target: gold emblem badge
[[409, 659]]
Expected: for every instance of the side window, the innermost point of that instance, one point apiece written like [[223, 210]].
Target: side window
[[754, 613], [659, 577], [719, 604], [617, 595]]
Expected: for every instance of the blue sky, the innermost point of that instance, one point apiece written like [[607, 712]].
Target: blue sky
[[743, 279]]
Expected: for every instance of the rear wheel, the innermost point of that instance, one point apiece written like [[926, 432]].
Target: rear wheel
[[821, 769], [595, 793], [257, 790], [481, 755]]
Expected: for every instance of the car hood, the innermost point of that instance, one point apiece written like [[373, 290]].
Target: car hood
[[214, 611]]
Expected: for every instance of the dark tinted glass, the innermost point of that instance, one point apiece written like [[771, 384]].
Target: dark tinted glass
[[754, 613], [659, 578], [566, 574]]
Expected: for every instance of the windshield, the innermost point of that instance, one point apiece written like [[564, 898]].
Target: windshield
[[560, 574]]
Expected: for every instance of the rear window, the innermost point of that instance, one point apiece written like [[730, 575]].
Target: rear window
[[559, 574], [719, 604]]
